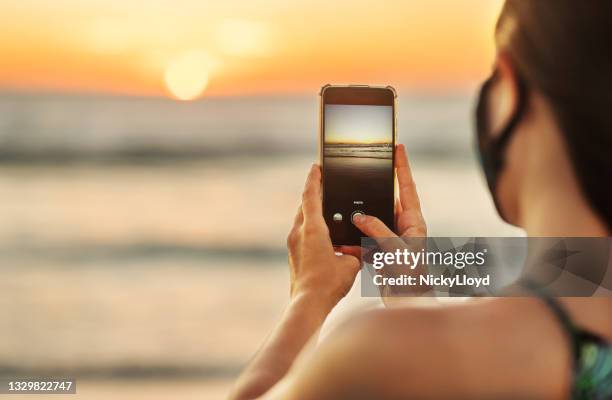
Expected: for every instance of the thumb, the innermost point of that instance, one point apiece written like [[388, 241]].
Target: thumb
[[377, 230], [373, 227]]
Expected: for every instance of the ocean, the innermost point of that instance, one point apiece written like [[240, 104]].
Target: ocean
[[142, 240], [378, 151]]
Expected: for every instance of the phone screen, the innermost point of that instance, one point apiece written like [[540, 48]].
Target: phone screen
[[358, 143]]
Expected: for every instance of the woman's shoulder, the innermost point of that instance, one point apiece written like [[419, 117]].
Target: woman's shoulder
[[501, 315], [476, 345]]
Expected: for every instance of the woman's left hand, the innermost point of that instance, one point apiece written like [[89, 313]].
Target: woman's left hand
[[319, 280], [316, 271]]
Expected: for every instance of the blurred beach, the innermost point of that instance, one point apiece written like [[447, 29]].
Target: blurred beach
[[142, 240], [153, 155]]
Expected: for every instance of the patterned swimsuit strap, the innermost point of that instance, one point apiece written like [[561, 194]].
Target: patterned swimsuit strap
[[573, 334]]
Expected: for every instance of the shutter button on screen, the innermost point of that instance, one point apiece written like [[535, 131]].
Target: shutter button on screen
[[356, 214]]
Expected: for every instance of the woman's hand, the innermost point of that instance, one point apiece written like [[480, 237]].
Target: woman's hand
[[319, 279], [410, 224], [408, 216], [316, 271]]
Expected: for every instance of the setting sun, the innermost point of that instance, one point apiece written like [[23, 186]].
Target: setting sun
[[186, 77], [139, 49]]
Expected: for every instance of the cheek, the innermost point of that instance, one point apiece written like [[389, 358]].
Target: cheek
[[510, 181]]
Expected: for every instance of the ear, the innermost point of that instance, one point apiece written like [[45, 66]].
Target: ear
[[504, 94]]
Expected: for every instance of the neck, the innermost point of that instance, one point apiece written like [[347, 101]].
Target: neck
[[561, 213], [551, 202]]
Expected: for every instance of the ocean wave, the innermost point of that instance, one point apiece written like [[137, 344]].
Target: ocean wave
[[80, 253]]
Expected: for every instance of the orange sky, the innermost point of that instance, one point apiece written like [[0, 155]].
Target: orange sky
[[157, 47]]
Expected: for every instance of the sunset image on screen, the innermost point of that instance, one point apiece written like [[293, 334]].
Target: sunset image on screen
[[358, 132], [358, 124]]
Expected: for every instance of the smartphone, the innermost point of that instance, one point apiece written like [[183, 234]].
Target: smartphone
[[357, 152]]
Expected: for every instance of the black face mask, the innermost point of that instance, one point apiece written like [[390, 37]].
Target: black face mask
[[492, 147]]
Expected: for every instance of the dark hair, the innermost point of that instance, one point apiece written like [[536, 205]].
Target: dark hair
[[563, 49]]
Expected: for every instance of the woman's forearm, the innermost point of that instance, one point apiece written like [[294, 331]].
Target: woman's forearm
[[300, 323]]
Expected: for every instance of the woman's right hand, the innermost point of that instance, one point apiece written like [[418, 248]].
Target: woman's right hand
[[408, 216], [410, 224]]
